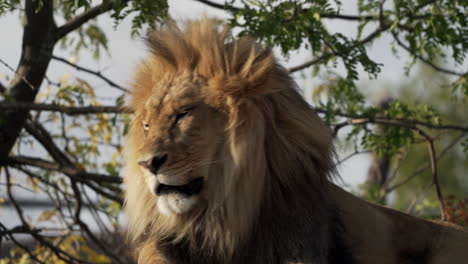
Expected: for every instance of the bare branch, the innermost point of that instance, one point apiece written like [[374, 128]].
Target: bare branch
[[360, 119], [95, 73], [70, 171], [435, 174], [422, 168], [68, 110], [4, 89], [39, 132]]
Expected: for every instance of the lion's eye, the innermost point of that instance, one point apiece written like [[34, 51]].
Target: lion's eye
[[145, 126], [179, 116]]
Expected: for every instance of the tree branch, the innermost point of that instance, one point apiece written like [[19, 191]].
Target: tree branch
[[68, 110], [329, 55], [37, 47], [216, 5], [435, 174], [422, 168], [358, 119], [70, 171], [95, 73], [432, 154], [427, 61], [324, 15], [84, 17]]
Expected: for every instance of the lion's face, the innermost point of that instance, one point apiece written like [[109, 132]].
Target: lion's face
[[180, 138]]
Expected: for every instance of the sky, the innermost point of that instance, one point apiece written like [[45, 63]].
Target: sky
[[126, 52]]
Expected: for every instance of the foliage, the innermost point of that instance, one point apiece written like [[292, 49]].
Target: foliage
[[75, 245], [69, 153]]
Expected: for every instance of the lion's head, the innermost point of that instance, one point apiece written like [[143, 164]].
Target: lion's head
[[219, 128]]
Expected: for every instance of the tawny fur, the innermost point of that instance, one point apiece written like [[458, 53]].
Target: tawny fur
[[266, 159]]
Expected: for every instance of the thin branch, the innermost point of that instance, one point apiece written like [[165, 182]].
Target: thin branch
[[18, 230], [16, 73], [68, 110], [425, 60], [84, 17], [217, 5], [308, 63], [323, 15], [70, 171], [382, 28], [41, 134], [95, 73], [425, 166], [329, 55], [13, 201], [349, 156], [359, 119], [435, 174], [431, 150]]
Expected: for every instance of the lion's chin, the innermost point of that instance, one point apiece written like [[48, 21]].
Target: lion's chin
[[173, 204]]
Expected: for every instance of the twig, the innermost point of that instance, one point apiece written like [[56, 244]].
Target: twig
[[308, 63], [424, 167], [349, 156], [10, 234], [427, 61], [429, 140], [84, 17], [95, 73], [435, 175], [70, 171], [13, 70], [354, 119], [68, 110], [13, 201], [216, 5], [382, 28], [329, 55]]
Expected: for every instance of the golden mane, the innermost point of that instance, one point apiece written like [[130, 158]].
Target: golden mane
[[274, 167], [278, 151]]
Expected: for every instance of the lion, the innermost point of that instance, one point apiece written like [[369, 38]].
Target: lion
[[227, 163]]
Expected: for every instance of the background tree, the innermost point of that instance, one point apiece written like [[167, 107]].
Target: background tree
[[62, 142]]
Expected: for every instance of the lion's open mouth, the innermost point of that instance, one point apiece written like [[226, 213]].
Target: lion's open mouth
[[189, 189]]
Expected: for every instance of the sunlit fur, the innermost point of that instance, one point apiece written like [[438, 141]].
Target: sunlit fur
[[267, 167], [263, 141]]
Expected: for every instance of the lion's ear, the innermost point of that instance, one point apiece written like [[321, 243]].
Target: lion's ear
[[247, 70]]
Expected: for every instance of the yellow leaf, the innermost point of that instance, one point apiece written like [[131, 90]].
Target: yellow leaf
[[46, 215], [72, 59], [34, 184], [24, 259]]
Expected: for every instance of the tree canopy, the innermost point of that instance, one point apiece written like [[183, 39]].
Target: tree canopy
[[62, 143]]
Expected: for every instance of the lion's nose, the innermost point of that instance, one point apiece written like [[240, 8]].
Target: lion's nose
[[154, 164]]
